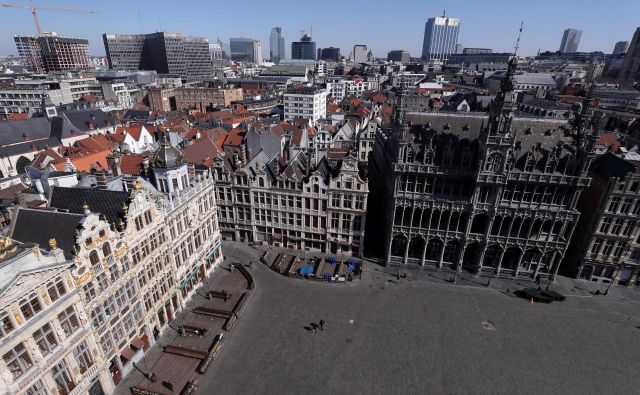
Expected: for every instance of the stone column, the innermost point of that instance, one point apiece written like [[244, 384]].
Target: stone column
[[441, 254], [460, 258], [480, 261], [515, 273], [424, 252], [499, 266], [535, 273], [557, 260]]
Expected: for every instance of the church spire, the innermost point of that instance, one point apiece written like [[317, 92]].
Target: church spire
[[502, 106]]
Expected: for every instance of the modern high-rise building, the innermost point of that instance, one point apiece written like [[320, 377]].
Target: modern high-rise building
[[630, 69], [331, 53], [570, 40], [440, 38], [621, 47], [303, 49], [276, 45], [245, 49], [51, 52], [167, 53], [398, 55], [360, 53]]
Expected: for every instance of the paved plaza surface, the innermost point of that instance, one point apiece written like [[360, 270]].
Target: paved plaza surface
[[386, 336]]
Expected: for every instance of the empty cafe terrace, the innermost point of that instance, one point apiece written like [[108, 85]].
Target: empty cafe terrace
[[324, 268], [183, 354]]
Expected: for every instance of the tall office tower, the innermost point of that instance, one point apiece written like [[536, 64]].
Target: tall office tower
[[167, 53], [330, 53], [245, 49], [303, 49], [621, 48], [276, 45], [570, 40], [440, 38], [630, 69], [360, 53], [399, 55], [50, 52]]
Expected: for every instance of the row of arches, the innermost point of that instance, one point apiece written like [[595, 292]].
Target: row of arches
[[527, 228], [431, 219], [473, 256], [531, 229]]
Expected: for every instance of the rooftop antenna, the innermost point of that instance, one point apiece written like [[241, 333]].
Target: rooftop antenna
[[444, 12], [311, 32]]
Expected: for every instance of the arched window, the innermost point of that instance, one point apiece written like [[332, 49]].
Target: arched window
[[93, 257], [21, 164], [106, 249], [494, 162]]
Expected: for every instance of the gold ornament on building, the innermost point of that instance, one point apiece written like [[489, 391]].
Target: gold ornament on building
[[53, 244], [137, 185]]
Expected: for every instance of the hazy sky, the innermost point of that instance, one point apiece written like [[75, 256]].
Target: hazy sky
[[382, 25]]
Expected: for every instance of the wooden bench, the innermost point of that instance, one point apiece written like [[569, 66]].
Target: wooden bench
[[185, 352], [212, 312]]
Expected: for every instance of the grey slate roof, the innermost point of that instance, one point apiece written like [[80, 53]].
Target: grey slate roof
[[28, 146], [529, 131], [610, 165], [266, 140], [15, 131], [39, 226], [106, 202]]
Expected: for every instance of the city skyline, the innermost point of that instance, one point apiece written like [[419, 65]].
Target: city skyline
[[399, 29]]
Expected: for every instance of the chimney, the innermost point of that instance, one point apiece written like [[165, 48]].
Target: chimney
[[191, 169], [114, 163], [101, 179]]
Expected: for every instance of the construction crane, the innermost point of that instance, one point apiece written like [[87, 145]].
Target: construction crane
[[34, 10]]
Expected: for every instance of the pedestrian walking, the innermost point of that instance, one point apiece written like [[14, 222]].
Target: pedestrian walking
[[321, 324]]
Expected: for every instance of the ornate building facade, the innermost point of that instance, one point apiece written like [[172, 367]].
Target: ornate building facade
[[138, 255], [294, 203], [46, 339], [489, 194]]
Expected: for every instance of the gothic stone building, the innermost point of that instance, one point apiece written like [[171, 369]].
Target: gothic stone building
[[489, 194]]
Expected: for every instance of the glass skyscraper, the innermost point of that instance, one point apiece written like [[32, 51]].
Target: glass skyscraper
[[440, 38], [276, 45], [304, 49], [570, 40]]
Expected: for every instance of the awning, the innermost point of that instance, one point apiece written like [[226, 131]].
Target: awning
[[137, 343], [213, 251], [306, 270], [127, 354], [186, 281]]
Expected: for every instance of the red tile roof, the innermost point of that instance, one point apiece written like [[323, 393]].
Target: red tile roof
[[610, 139], [96, 143], [11, 191], [202, 151], [134, 131], [131, 164], [85, 162], [40, 158]]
